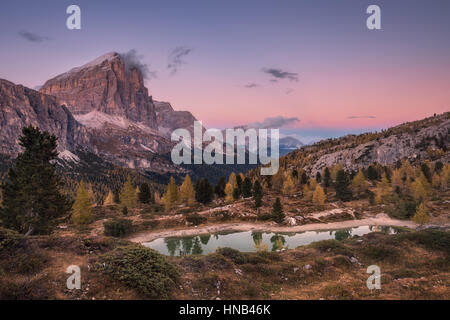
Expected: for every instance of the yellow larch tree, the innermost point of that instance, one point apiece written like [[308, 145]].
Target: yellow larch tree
[[187, 193], [128, 195], [319, 197], [82, 207]]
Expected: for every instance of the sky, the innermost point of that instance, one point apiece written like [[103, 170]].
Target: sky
[[237, 62]]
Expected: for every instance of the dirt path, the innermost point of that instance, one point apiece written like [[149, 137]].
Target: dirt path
[[379, 220]]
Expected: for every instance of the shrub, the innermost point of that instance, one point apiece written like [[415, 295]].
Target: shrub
[[118, 227], [380, 252], [9, 239], [265, 216], [235, 255], [195, 219], [150, 223], [431, 239], [143, 269], [335, 246]]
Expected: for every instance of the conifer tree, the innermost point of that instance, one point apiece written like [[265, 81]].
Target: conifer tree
[[247, 188], [171, 196], [359, 184], [157, 197], [145, 195], [203, 191], [318, 177], [232, 180], [109, 200], [288, 185], [239, 184], [326, 177], [32, 200], [219, 189], [421, 216], [307, 193], [187, 193], [229, 192], [342, 187], [128, 196], [257, 194], [116, 196], [277, 211], [319, 197], [82, 207]]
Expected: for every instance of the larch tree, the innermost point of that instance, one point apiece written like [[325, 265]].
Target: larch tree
[[421, 216], [82, 207], [359, 184], [171, 197], [128, 196], [319, 197], [232, 180], [229, 192], [288, 185], [32, 200], [109, 200], [187, 193]]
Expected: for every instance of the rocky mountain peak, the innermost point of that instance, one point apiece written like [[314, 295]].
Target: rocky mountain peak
[[109, 85]]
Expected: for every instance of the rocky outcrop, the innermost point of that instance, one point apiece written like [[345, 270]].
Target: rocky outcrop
[[107, 85], [21, 106], [408, 141], [169, 120]]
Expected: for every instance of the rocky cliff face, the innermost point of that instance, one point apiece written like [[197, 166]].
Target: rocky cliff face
[[107, 85], [413, 141], [169, 120], [21, 106]]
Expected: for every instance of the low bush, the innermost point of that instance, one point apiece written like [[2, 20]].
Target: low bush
[[118, 227], [9, 239], [332, 245], [143, 269], [235, 255], [195, 219], [430, 239]]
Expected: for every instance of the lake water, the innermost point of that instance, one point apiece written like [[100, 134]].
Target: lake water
[[250, 241]]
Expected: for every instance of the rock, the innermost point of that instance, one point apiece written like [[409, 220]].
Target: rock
[[290, 221], [354, 261], [296, 269], [238, 272], [308, 267], [21, 106]]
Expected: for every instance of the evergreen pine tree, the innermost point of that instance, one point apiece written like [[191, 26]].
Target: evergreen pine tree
[[326, 177], [125, 211], [116, 196], [343, 191], [247, 188], [239, 184], [277, 211], [318, 177], [82, 207], [32, 200], [203, 191], [257, 194], [145, 195], [219, 189]]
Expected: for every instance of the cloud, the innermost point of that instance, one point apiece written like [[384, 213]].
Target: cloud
[[273, 122], [33, 37], [251, 85], [361, 117], [134, 60], [280, 74], [176, 58]]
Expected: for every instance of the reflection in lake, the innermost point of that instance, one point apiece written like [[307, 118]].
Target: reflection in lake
[[251, 241]]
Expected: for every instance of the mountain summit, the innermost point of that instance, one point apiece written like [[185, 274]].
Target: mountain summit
[[107, 85]]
